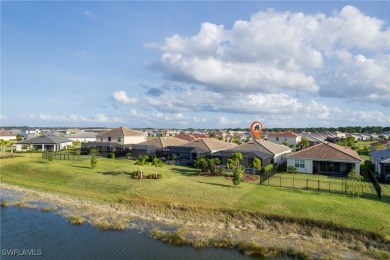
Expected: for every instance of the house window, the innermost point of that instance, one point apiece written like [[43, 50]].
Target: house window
[[299, 163], [101, 139], [277, 138], [285, 139], [109, 139], [119, 139]]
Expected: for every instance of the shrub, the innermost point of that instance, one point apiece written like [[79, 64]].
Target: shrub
[[111, 155], [93, 151], [291, 169], [50, 157], [76, 220], [77, 152], [237, 174], [103, 225], [93, 162]]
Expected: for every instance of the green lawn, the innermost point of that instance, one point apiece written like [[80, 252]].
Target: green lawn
[[111, 182]]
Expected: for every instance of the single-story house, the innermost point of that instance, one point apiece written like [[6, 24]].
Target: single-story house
[[44, 143], [83, 137], [325, 158], [268, 152], [281, 137], [8, 135], [188, 152], [381, 160], [157, 146]]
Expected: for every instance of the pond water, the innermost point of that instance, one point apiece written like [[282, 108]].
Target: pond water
[[39, 235]]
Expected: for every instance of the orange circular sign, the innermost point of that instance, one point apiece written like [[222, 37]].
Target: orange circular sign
[[256, 128]]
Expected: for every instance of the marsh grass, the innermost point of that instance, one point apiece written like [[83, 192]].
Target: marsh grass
[[49, 209], [76, 220]]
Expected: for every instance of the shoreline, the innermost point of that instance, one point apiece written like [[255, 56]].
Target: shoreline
[[201, 227]]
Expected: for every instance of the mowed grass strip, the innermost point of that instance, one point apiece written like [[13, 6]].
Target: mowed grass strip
[[111, 182]]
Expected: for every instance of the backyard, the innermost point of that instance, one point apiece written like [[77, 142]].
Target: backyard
[[110, 182]]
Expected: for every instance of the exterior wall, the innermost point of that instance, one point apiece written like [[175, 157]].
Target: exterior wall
[[281, 157], [83, 139], [8, 137], [123, 140], [134, 139], [308, 165], [281, 139]]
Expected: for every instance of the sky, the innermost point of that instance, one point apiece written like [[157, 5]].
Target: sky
[[207, 64]]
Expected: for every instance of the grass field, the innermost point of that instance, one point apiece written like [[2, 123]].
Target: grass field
[[110, 182]]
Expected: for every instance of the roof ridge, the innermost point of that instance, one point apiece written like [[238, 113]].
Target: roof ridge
[[258, 141], [340, 150], [206, 143]]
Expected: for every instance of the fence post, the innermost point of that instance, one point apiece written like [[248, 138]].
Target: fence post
[[268, 178], [293, 183], [318, 185], [329, 186], [307, 181], [280, 181]]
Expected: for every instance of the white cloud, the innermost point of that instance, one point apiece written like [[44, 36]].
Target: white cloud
[[89, 14], [342, 55], [99, 118], [223, 120], [121, 97]]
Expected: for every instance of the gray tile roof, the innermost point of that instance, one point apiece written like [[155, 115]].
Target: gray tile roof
[[381, 155], [46, 139]]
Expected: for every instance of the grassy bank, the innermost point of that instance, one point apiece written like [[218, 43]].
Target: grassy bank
[[180, 187]]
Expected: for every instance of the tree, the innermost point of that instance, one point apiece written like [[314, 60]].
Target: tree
[[236, 157], [305, 143], [229, 163], [141, 161], [50, 157], [256, 164], [19, 137], [286, 144], [77, 152], [354, 184], [128, 154], [237, 175], [379, 146], [213, 163], [366, 149], [93, 151], [157, 163], [94, 162], [201, 163]]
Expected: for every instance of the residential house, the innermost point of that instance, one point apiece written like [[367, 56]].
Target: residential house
[[381, 160], [325, 158], [83, 137], [8, 135], [156, 146], [26, 133], [44, 143], [118, 140], [267, 151], [285, 137], [187, 153]]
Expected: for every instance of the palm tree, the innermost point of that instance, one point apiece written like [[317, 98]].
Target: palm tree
[[236, 157], [141, 161], [256, 164], [157, 163]]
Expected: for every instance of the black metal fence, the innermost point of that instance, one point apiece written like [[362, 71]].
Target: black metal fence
[[339, 186], [66, 156], [375, 183]]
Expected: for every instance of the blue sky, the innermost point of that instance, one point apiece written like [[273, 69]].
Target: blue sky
[[195, 64]]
